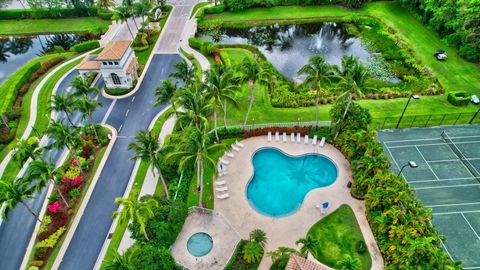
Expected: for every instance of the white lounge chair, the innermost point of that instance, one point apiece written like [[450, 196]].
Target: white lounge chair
[[239, 144], [284, 137], [220, 183], [269, 136], [235, 148], [224, 162], [306, 139], [314, 140], [223, 196], [292, 137], [322, 142], [221, 189], [230, 155], [277, 136], [299, 137]]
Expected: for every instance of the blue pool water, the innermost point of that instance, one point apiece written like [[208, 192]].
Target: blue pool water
[[199, 244], [280, 182]]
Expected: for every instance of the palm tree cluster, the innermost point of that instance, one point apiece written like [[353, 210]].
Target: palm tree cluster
[[254, 248], [130, 10], [41, 172]]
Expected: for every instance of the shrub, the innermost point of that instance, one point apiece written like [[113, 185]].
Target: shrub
[[11, 88], [196, 43], [104, 14], [54, 207], [200, 14], [458, 98], [361, 247], [117, 91], [74, 192], [36, 263], [52, 240], [53, 198], [152, 257], [15, 14], [85, 46], [264, 131], [72, 172], [215, 9], [33, 267], [225, 58]]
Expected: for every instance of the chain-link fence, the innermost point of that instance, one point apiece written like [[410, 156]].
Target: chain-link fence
[[427, 120]]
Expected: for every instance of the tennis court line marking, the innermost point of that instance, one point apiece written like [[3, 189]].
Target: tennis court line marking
[[443, 179], [450, 160], [471, 268], [426, 162], [468, 222], [452, 204], [455, 212], [433, 138], [394, 160], [449, 186], [432, 144]]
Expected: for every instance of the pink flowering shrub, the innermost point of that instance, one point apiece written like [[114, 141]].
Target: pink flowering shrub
[[54, 207], [77, 180], [74, 163], [65, 179]]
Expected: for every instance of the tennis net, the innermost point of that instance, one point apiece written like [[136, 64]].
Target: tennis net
[[460, 155]]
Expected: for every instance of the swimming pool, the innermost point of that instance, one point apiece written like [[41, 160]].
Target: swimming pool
[[199, 244], [280, 182]]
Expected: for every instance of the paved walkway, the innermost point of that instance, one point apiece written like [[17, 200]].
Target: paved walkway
[[285, 231]]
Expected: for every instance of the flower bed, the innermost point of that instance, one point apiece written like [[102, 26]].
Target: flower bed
[[75, 179]]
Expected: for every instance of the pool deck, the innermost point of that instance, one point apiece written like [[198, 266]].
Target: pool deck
[[285, 231]]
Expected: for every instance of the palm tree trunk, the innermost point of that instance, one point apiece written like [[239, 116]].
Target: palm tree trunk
[[74, 154], [69, 120], [344, 115], [146, 236], [176, 114], [316, 107], [198, 174], [215, 125], [134, 22], [163, 182], [201, 185], [225, 114], [59, 192], [250, 106], [31, 211], [129, 30], [23, 5]]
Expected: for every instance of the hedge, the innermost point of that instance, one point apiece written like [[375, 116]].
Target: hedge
[[104, 15], [458, 98], [15, 14], [196, 43], [117, 91], [85, 46], [215, 9], [200, 14], [10, 88]]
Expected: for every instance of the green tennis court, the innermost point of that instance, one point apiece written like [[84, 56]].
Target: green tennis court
[[447, 180]]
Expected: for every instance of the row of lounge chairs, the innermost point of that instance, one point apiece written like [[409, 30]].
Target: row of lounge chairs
[[297, 138], [220, 183]]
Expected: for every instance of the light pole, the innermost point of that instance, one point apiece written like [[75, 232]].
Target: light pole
[[404, 109], [474, 116], [411, 164]]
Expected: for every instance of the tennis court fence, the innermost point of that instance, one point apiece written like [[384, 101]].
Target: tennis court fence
[[427, 120], [460, 155]]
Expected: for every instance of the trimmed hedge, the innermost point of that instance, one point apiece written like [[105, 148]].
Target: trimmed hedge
[[196, 43], [200, 14], [10, 88], [117, 91], [15, 14], [104, 15], [215, 9], [458, 98], [85, 46]]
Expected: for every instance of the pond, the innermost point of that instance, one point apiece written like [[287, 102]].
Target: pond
[[288, 47], [15, 51]]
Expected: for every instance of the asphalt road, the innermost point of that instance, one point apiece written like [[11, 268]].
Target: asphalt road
[[128, 116], [14, 241]]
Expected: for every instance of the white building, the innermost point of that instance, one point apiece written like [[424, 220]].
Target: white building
[[117, 64]]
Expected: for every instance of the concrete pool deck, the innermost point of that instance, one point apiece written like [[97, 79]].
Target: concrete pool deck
[[285, 231]]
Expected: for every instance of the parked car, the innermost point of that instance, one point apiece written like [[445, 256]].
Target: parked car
[[475, 100], [441, 55]]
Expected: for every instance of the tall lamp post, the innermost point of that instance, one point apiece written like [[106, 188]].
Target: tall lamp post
[[404, 109], [411, 164]]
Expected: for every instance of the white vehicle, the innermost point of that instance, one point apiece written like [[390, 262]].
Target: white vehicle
[[475, 100]]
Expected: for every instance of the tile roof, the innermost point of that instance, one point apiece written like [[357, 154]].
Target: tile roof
[[299, 263], [114, 50], [131, 65], [89, 63]]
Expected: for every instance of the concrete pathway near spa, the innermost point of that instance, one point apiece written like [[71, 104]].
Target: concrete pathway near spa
[[284, 231]]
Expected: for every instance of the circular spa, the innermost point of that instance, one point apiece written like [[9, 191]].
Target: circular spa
[[280, 182], [199, 244]]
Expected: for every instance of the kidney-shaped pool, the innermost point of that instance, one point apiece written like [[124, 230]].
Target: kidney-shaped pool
[[280, 182]]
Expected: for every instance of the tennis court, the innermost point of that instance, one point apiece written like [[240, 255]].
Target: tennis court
[[447, 180]]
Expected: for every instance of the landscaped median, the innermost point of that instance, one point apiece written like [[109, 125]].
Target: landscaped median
[[76, 181]]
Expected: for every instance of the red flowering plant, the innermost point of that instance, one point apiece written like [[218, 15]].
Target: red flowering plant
[[77, 180], [74, 162], [54, 207]]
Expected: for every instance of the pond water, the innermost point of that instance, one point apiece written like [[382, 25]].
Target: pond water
[[288, 47], [15, 51]]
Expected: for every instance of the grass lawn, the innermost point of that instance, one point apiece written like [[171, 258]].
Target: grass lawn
[[197, 7], [134, 192], [70, 25], [338, 234]]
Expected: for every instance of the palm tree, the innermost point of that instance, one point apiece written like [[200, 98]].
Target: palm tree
[[122, 14], [252, 252], [122, 261], [142, 8], [196, 107], [26, 149], [62, 103], [281, 256], [130, 6], [105, 4], [64, 136], [13, 192], [308, 244], [317, 71], [165, 92], [197, 152], [82, 87], [147, 148], [349, 263], [184, 72], [43, 172], [221, 90], [87, 107], [251, 73], [137, 211], [258, 236]]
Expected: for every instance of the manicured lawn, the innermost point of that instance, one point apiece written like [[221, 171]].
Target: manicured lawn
[[71, 25], [197, 7], [338, 235]]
